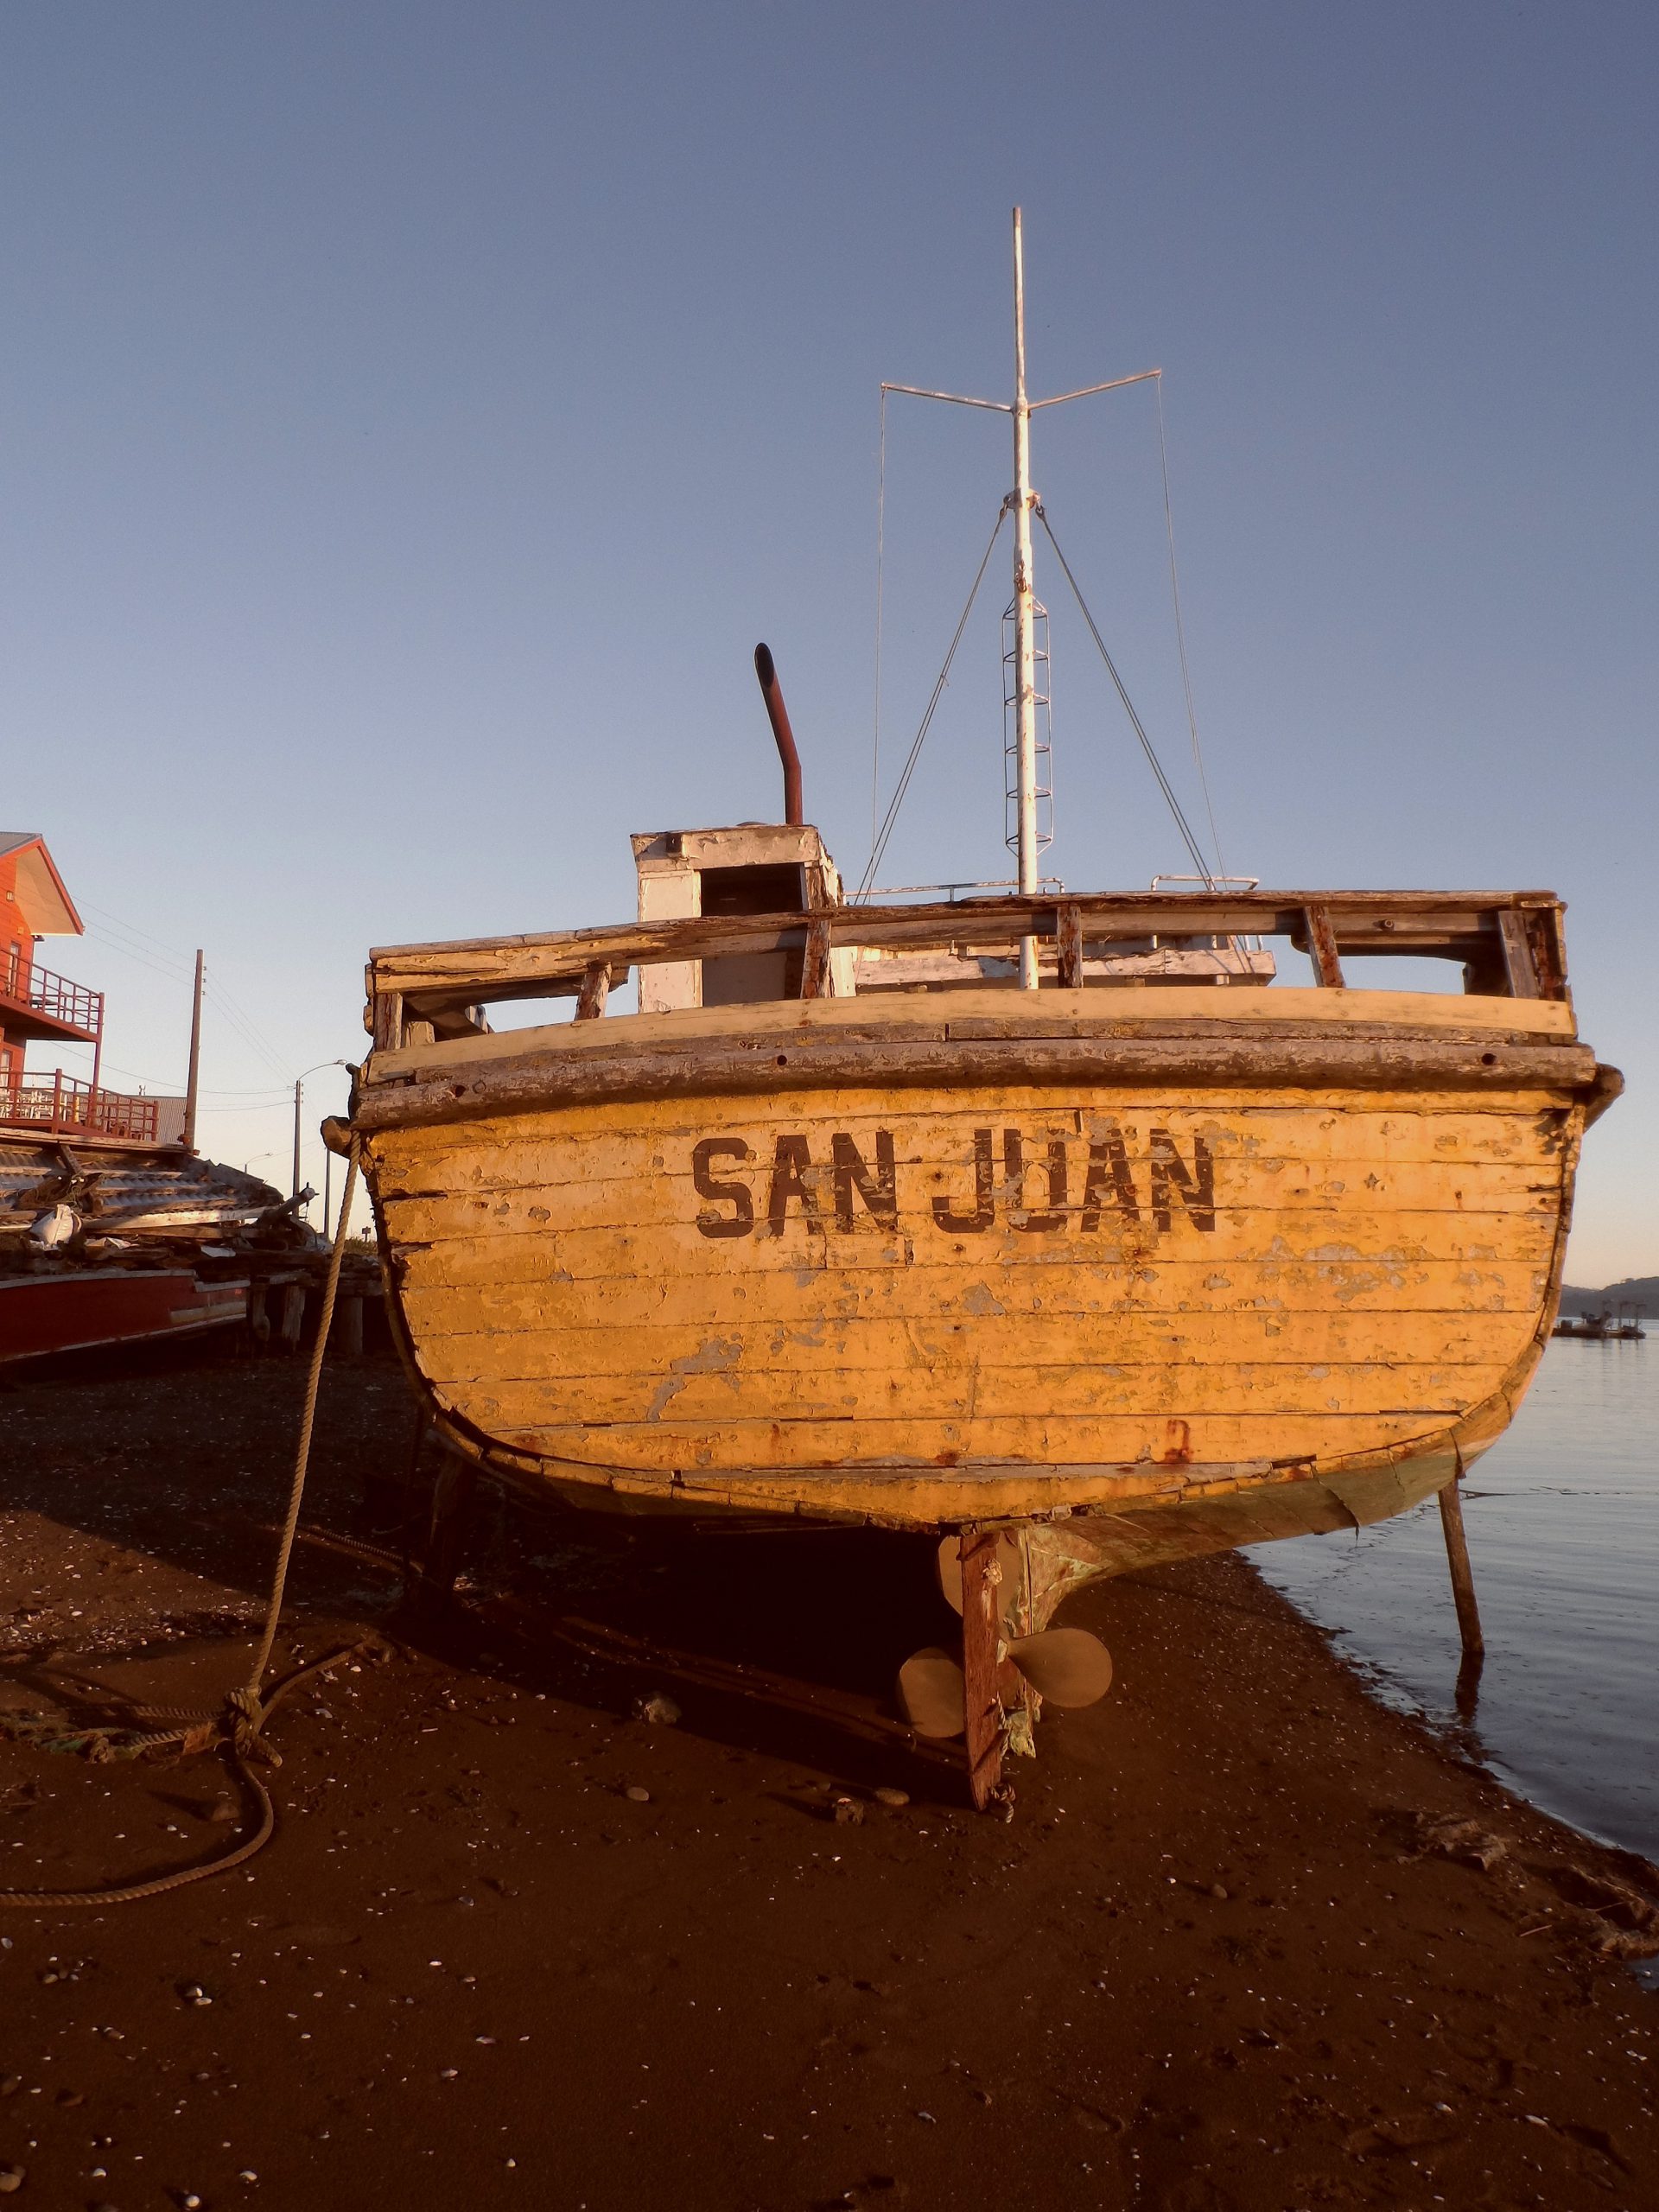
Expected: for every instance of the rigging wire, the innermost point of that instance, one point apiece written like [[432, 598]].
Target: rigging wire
[[1180, 634], [878, 850], [1164, 783], [881, 550]]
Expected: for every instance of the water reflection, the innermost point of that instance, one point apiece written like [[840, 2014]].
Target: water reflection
[[1562, 1519]]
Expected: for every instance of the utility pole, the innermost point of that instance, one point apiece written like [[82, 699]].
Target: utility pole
[[192, 1088], [299, 1097], [1024, 649]]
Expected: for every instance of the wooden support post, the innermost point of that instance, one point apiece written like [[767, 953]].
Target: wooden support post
[[1463, 1581], [981, 1629], [449, 1525], [258, 1319], [595, 990], [348, 1329], [1068, 948], [1518, 964], [293, 1316], [1322, 947], [387, 1030], [815, 964], [1548, 953]]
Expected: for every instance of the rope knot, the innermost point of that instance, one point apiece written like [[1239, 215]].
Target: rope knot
[[244, 1717]]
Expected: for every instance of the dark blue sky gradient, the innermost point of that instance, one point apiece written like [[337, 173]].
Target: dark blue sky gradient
[[413, 415]]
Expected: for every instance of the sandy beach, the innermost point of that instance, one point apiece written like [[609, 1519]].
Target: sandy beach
[[1250, 1942]]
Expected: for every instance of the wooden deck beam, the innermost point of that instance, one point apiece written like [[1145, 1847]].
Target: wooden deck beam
[[1479, 927]]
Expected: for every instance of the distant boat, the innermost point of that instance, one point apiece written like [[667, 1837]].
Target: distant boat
[[1039, 1222], [1621, 1322]]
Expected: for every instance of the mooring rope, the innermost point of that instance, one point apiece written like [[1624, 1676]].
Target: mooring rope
[[303, 1450], [236, 1726]]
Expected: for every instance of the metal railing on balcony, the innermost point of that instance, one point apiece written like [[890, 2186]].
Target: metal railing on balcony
[[60, 1105], [26, 984]]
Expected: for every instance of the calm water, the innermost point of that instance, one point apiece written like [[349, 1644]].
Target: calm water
[[1562, 1516]]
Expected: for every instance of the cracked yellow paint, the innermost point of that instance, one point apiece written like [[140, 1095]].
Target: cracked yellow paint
[[931, 1306]]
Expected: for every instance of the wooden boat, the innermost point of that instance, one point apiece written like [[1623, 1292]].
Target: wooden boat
[[1620, 1325], [80, 1309], [108, 1241], [1039, 1222]]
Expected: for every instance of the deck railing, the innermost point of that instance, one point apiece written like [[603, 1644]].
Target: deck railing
[[1509, 943], [25, 984], [60, 1105]]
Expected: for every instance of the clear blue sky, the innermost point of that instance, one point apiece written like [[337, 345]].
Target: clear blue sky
[[413, 415]]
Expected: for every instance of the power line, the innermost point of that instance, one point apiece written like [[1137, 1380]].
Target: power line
[[143, 949]]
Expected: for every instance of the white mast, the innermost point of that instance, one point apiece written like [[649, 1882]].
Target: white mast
[[1024, 643], [1023, 500]]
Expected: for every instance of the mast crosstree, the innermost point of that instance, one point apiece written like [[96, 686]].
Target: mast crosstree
[[1024, 609]]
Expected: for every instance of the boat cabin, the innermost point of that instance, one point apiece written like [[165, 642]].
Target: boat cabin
[[758, 868]]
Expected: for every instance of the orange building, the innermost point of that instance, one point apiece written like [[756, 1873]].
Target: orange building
[[35, 1004]]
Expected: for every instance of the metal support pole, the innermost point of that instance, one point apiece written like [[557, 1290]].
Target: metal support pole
[[193, 1087], [1024, 634], [982, 1633], [1462, 1580], [98, 1063], [299, 1086]]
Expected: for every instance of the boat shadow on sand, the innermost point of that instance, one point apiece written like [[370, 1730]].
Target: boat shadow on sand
[[147, 1495]]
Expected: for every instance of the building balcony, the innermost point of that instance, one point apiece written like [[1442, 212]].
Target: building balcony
[[37, 1005], [61, 1106]]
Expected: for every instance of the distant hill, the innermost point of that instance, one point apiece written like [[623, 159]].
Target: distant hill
[[1644, 1289]]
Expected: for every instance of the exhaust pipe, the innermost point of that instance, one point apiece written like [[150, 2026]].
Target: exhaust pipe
[[778, 714]]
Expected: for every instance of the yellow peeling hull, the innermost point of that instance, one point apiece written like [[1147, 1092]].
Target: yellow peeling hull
[[940, 1303]]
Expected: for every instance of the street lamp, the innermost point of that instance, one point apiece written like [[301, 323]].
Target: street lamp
[[299, 1091]]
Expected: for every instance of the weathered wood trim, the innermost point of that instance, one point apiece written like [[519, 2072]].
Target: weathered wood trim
[[1455, 925], [815, 964], [1156, 1010], [1608, 1086], [1518, 963], [1548, 950], [1067, 947], [504, 1086], [1322, 946], [596, 989], [386, 1020]]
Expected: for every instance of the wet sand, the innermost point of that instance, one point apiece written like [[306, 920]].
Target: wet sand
[[1224, 1956]]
